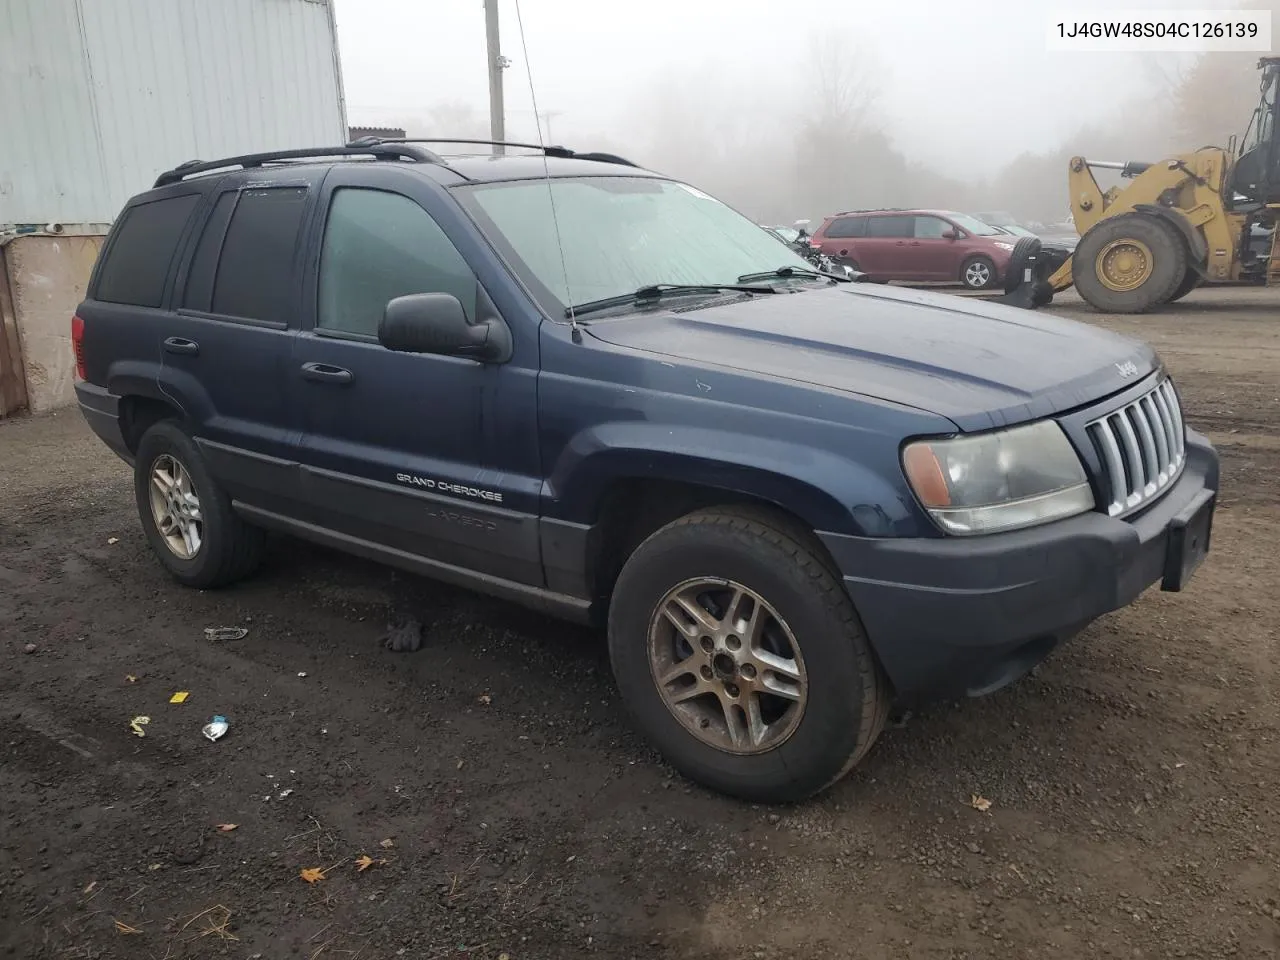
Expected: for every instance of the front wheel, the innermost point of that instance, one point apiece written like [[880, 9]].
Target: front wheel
[[978, 273], [741, 657]]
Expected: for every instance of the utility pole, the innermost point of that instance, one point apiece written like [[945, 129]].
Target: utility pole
[[549, 115], [497, 63]]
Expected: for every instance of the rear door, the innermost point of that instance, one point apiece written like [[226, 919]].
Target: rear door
[[885, 252], [431, 456], [226, 354]]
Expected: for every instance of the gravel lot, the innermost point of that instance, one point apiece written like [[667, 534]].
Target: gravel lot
[[1133, 779]]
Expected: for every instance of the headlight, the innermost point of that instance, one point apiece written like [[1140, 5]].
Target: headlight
[[1002, 245], [998, 481]]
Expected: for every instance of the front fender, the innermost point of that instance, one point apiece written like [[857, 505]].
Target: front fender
[[827, 491]]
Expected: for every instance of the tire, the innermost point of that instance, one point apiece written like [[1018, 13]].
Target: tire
[[978, 273], [1189, 282], [843, 697], [228, 548], [1023, 250], [1145, 286]]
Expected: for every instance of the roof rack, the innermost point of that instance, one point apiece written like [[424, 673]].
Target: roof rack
[[367, 147], [547, 149]]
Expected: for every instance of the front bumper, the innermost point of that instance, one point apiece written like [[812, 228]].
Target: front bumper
[[957, 615]]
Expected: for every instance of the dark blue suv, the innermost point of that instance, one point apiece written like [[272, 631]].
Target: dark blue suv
[[588, 388]]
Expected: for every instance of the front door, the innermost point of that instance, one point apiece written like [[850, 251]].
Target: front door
[[431, 456], [936, 258]]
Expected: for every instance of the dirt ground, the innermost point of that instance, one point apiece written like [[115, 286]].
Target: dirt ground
[[509, 809]]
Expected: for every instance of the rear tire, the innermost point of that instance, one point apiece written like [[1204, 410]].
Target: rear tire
[[1129, 264], [186, 516], [789, 747], [978, 273]]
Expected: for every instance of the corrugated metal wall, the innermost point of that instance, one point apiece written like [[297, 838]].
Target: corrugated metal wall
[[98, 96]]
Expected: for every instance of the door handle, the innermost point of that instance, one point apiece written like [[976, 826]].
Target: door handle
[[324, 373], [915, 243], [902, 243], [181, 345]]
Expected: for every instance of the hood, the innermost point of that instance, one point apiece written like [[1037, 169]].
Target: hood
[[979, 365]]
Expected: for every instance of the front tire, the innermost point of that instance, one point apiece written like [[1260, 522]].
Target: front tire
[[741, 657], [978, 273], [1131, 263], [186, 516]]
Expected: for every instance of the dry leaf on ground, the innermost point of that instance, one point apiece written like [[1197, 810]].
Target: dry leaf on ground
[[122, 927], [387, 844], [227, 827], [979, 803], [312, 874], [364, 862]]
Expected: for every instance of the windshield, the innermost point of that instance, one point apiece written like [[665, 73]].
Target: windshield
[[1016, 230], [973, 226], [787, 234], [619, 234]]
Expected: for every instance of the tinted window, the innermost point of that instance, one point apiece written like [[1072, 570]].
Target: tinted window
[[204, 265], [379, 246], [931, 228], [890, 226], [848, 227], [142, 250], [255, 272]]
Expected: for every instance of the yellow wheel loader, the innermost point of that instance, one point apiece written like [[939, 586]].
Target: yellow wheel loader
[[1207, 216]]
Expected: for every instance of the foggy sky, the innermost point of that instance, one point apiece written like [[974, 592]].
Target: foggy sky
[[962, 86]]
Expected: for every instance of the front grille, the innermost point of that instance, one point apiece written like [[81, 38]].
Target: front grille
[[1142, 447]]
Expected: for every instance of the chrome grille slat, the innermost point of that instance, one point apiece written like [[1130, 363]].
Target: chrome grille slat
[[1158, 432], [1142, 447]]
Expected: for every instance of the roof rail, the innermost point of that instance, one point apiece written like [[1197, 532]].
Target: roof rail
[[388, 150], [548, 149]]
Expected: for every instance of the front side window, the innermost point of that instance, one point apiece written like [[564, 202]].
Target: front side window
[[619, 234], [379, 246], [931, 228]]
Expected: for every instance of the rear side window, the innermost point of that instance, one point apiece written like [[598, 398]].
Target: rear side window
[[848, 227], [137, 263], [379, 246], [254, 277], [204, 265], [891, 226]]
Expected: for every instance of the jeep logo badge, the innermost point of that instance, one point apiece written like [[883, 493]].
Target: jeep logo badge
[[1127, 369]]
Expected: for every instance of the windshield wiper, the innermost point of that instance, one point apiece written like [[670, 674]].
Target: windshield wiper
[[786, 272], [655, 292]]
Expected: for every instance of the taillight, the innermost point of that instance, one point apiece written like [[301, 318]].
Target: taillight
[[77, 344]]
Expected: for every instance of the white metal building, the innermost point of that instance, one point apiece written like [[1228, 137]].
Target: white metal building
[[99, 96]]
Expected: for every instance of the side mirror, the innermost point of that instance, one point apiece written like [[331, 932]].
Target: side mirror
[[948, 235], [436, 323]]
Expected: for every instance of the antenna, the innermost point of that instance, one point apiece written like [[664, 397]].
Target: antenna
[[546, 171]]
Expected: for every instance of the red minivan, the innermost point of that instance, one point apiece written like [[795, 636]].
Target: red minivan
[[917, 245]]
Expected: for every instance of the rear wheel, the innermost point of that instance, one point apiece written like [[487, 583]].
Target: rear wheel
[[741, 658], [186, 516], [1129, 264]]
